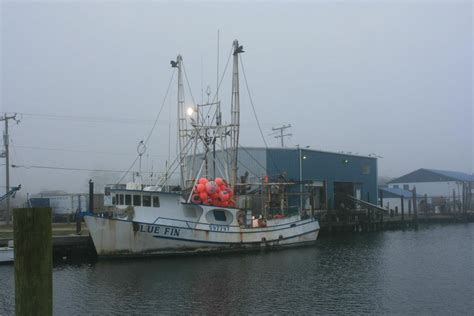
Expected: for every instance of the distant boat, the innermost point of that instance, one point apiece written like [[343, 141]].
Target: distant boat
[[202, 215], [6, 253]]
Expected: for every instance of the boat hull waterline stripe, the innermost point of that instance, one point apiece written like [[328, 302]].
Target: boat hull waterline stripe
[[237, 243]]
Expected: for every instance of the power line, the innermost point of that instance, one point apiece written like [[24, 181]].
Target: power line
[[80, 151], [18, 174], [281, 131], [70, 169], [92, 119]]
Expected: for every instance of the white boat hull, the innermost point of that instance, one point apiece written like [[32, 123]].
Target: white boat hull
[[115, 237]]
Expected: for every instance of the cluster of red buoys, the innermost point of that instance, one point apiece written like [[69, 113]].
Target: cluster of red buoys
[[216, 193]]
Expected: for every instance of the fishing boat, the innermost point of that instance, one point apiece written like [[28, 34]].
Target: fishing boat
[[208, 211]]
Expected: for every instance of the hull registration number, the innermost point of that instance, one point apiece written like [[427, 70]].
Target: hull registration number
[[219, 228]]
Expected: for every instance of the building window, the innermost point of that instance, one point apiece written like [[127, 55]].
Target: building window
[[146, 200], [128, 199], [395, 186], [366, 169], [156, 201], [114, 199], [121, 202], [220, 216], [137, 200], [406, 187]]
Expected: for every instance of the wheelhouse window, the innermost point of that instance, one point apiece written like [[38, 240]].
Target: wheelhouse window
[[156, 201], [137, 200], [121, 201], [114, 199], [219, 215], [146, 200], [128, 199]]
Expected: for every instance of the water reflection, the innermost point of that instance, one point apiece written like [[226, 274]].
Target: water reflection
[[425, 271]]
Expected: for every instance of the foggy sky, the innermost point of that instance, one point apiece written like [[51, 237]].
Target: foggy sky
[[390, 78]]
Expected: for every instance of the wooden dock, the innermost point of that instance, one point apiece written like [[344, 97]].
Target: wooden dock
[[358, 221], [66, 245]]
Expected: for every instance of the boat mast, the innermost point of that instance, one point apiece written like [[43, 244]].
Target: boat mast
[[235, 112], [182, 126]]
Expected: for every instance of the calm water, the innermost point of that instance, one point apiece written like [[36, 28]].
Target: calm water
[[429, 271]]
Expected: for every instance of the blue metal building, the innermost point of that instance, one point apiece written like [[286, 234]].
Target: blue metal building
[[332, 176], [336, 174]]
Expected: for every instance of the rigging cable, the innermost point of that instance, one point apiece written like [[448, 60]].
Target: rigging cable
[[187, 82], [256, 117], [214, 99], [202, 127]]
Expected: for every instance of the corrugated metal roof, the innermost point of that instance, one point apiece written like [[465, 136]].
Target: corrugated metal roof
[[399, 192], [314, 150], [433, 175], [456, 175]]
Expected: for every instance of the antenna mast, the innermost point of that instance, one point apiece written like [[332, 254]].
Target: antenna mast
[[182, 126], [141, 148], [235, 112]]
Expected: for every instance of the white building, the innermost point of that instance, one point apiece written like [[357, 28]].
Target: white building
[[392, 198], [439, 186], [61, 203]]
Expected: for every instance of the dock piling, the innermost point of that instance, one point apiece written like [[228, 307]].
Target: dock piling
[[402, 208], [91, 196], [33, 261], [415, 209]]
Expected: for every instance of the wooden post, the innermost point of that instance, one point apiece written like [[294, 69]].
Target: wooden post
[[381, 219], [415, 211], [463, 198], [426, 203], [33, 261], [403, 208], [78, 216], [369, 218], [454, 201], [91, 196], [469, 196]]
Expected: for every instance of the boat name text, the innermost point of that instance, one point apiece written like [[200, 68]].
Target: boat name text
[[159, 230]]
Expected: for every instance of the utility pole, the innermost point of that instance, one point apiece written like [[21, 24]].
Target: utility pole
[[281, 136], [6, 155]]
